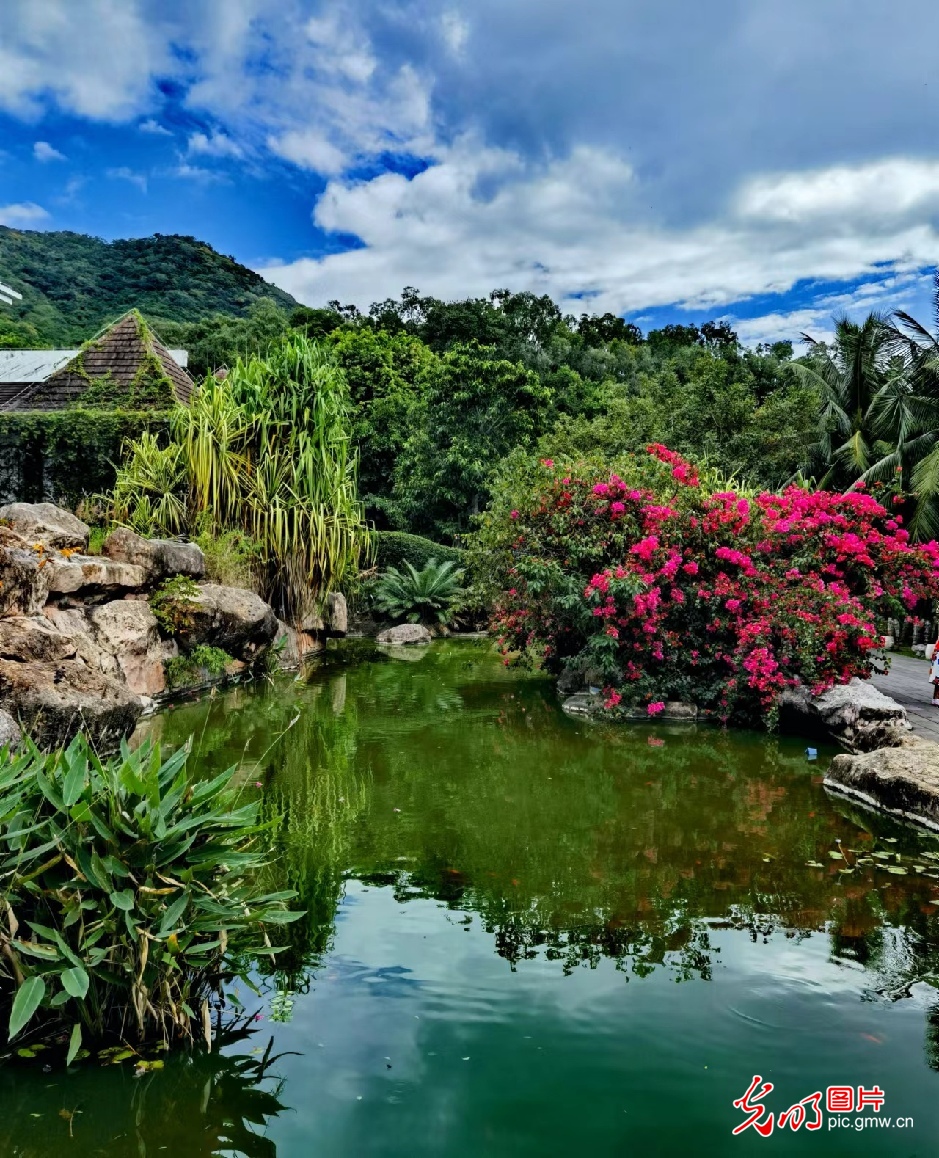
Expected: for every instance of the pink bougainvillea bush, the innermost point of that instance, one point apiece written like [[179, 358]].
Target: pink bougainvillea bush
[[659, 586]]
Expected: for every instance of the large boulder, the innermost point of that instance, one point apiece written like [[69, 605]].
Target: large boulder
[[55, 701], [856, 714], [11, 735], [159, 558], [24, 575], [34, 639], [127, 630], [72, 623], [91, 574], [47, 524], [337, 614], [903, 781], [231, 618], [405, 635]]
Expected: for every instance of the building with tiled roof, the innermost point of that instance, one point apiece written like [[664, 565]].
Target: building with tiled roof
[[126, 366]]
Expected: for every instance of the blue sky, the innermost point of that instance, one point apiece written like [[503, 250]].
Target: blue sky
[[772, 162]]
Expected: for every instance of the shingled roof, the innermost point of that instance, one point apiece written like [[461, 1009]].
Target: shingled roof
[[126, 364]]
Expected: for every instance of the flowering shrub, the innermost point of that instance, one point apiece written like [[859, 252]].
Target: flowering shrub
[[664, 587]]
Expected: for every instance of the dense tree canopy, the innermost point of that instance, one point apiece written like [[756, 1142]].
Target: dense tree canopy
[[441, 391]]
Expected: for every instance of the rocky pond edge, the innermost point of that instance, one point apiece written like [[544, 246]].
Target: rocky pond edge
[[81, 649]]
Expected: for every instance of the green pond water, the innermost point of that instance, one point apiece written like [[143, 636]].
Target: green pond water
[[528, 935]]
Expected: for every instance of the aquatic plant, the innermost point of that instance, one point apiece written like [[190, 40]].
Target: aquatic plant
[[128, 894], [430, 593]]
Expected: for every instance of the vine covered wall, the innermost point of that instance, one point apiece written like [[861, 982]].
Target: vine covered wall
[[63, 456]]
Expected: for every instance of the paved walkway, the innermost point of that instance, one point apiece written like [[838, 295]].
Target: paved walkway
[[907, 682]]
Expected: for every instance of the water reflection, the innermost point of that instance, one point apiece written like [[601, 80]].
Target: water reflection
[[573, 848], [454, 780], [199, 1104]]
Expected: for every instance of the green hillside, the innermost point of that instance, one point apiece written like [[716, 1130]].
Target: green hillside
[[73, 284]]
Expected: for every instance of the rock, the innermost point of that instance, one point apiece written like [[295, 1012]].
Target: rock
[[11, 735], [24, 576], [856, 714], [33, 639], [293, 646], [677, 710], [91, 573], [160, 558], [903, 781], [73, 624], [405, 634], [55, 701], [337, 614], [581, 704], [231, 618], [48, 524], [128, 630], [570, 682]]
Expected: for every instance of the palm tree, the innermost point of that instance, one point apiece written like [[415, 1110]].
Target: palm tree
[[869, 412], [920, 350]]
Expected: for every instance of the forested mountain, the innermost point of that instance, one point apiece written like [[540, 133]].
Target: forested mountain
[[73, 284]]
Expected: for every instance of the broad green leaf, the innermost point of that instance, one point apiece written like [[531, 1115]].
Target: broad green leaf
[[74, 783], [74, 1043], [173, 913], [123, 899], [75, 982], [27, 1001]]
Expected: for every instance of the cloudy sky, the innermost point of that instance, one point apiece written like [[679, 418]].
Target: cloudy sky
[[772, 162]]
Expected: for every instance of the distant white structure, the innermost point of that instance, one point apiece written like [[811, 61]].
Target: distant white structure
[[7, 295]]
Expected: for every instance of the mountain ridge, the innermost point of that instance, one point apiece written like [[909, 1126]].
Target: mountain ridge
[[73, 284]]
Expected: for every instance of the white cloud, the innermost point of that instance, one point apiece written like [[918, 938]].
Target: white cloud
[[22, 213], [154, 127], [214, 145], [483, 218], [197, 173], [455, 31], [310, 149], [123, 173], [43, 151], [890, 187], [96, 59]]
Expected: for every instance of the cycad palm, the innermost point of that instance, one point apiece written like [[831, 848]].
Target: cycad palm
[[417, 595]]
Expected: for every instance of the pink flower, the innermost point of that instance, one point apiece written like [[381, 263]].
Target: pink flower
[[548, 462], [514, 515], [655, 708], [612, 698], [617, 508]]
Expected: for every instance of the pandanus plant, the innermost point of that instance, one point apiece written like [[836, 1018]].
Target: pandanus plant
[[266, 452]]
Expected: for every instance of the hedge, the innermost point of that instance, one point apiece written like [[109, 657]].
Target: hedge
[[64, 455], [396, 547]]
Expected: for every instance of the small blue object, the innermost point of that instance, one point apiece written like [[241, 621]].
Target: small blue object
[[811, 753]]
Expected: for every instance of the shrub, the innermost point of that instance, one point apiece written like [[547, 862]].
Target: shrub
[[172, 602], [126, 893], [191, 668], [232, 558], [430, 593], [671, 587], [394, 548]]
